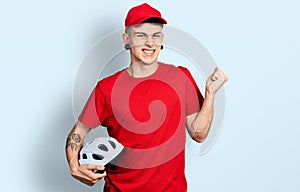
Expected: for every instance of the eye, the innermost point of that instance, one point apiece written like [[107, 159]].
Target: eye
[[156, 35], [140, 35], [84, 156]]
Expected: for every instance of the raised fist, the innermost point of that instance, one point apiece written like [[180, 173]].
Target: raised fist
[[215, 81]]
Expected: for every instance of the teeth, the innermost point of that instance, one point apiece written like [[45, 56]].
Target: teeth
[[148, 52]]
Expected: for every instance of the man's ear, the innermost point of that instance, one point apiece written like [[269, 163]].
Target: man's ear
[[125, 37]]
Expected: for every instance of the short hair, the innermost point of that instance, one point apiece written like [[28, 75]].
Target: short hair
[[152, 20]]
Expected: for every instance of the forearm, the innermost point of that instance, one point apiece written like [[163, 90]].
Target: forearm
[[74, 143], [84, 173], [202, 121]]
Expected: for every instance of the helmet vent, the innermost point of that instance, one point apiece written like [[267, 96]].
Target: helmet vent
[[97, 157], [112, 144], [103, 147]]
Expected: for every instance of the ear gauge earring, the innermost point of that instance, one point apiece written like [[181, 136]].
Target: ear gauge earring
[[127, 46], [161, 47]]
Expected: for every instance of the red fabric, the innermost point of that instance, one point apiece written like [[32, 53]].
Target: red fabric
[[147, 115], [138, 14]]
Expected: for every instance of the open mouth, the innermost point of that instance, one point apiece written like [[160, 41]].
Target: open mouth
[[148, 52]]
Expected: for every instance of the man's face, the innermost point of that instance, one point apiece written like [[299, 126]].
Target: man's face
[[145, 41]]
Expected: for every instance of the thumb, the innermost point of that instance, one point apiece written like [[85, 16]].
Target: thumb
[[216, 69]]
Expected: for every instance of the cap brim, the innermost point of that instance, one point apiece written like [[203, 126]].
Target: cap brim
[[160, 18], [141, 20]]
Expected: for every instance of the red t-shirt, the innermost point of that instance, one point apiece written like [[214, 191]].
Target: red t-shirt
[[148, 116]]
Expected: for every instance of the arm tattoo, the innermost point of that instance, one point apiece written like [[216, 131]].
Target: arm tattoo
[[76, 138], [74, 146]]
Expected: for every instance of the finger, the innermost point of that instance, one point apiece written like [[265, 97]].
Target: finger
[[88, 182], [93, 167], [209, 81], [215, 77], [87, 172], [226, 78], [95, 177], [223, 77], [216, 69], [220, 75], [98, 175], [99, 167]]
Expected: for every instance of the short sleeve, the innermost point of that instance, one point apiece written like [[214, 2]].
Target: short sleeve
[[90, 113], [193, 96]]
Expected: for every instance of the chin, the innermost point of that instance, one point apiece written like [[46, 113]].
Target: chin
[[149, 61]]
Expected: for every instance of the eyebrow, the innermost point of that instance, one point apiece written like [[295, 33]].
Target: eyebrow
[[146, 33]]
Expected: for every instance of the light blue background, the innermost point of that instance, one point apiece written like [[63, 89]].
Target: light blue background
[[256, 43]]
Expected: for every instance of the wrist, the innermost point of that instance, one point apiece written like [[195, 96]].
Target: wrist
[[74, 165], [209, 94]]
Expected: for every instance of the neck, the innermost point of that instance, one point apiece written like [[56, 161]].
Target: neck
[[139, 69]]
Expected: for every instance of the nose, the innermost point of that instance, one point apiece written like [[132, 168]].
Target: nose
[[149, 41]]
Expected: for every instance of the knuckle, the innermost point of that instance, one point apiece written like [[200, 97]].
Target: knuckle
[[74, 174], [90, 184], [94, 181]]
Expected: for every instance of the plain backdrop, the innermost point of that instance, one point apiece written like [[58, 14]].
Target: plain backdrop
[[256, 43]]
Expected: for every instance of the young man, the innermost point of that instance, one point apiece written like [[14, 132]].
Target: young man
[[146, 107]]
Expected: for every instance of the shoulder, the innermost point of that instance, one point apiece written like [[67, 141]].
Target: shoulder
[[109, 81], [105, 85], [173, 68]]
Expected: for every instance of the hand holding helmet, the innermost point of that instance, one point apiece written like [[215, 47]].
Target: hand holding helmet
[[100, 151]]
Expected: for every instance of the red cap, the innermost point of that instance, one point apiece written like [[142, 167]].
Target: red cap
[[138, 14]]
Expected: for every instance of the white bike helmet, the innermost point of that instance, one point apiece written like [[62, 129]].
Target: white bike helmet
[[100, 151]]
